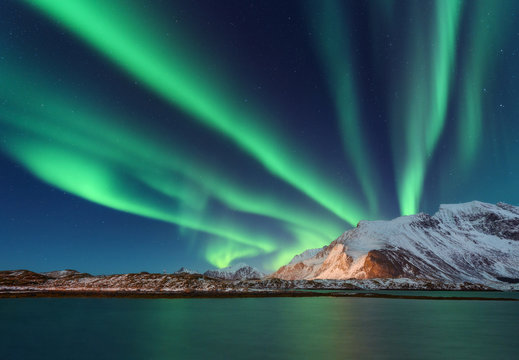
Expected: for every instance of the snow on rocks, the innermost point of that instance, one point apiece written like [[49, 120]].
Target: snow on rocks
[[473, 242], [238, 271]]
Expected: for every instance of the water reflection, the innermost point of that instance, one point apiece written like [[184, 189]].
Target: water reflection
[[262, 328]]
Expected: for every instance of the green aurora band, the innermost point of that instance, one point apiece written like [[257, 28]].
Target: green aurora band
[[426, 94], [93, 152], [487, 27], [332, 44], [222, 252], [89, 154], [165, 67]]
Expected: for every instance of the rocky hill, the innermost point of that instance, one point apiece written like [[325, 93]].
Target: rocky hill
[[24, 281], [472, 246]]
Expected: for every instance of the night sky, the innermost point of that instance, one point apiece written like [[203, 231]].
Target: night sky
[[149, 135]]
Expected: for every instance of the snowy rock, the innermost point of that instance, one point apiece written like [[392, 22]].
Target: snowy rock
[[58, 274], [307, 254], [239, 271], [473, 242], [184, 270]]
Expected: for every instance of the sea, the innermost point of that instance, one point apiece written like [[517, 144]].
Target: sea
[[261, 328]]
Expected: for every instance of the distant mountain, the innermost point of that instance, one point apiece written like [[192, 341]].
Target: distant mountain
[[472, 246], [184, 270], [473, 242], [58, 274], [23, 281], [239, 271]]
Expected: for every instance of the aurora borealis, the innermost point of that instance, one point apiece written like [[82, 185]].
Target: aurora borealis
[[148, 135]]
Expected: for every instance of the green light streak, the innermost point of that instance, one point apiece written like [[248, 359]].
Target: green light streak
[[331, 40], [487, 31], [86, 176], [158, 166], [165, 68], [62, 141], [425, 102], [221, 253], [443, 57]]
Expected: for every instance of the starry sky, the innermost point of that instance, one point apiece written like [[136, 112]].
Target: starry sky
[[148, 135]]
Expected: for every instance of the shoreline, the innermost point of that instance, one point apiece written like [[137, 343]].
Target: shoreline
[[224, 294]]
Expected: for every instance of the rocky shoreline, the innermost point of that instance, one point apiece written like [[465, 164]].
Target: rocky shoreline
[[16, 283], [228, 294]]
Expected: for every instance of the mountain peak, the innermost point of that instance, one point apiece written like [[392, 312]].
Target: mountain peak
[[474, 242], [239, 271], [58, 274], [304, 255], [184, 270], [235, 267], [478, 206]]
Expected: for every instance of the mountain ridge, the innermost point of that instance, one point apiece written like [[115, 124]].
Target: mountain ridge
[[470, 246], [475, 242], [20, 282], [240, 271]]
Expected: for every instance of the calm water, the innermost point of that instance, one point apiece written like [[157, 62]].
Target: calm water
[[262, 328], [457, 294]]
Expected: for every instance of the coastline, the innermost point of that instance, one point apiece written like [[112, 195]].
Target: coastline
[[230, 294]]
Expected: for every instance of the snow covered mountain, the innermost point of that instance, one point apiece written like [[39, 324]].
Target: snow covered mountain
[[184, 270], [474, 242], [58, 274], [15, 282], [307, 254], [239, 271]]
